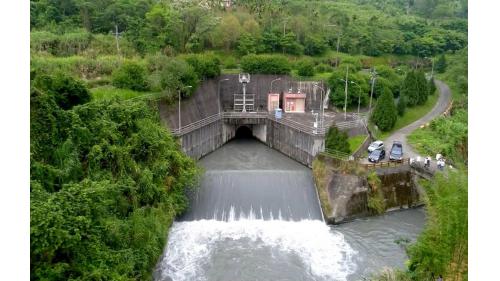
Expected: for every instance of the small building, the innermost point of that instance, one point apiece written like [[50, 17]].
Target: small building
[[294, 102], [273, 101]]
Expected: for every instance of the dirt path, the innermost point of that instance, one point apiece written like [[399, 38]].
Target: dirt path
[[401, 134]]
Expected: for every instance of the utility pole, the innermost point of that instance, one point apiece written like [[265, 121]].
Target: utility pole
[[116, 39], [374, 76], [338, 45], [345, 100], [284, 26]]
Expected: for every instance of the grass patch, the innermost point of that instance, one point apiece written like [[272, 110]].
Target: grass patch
[[411, 115], [355, 142], [110, 92]]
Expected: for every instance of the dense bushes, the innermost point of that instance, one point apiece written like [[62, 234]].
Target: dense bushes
[[445, 135], [106, 182], [67, 44], [66, 91], [337, 140], [205, 66], [385, 113], [305, 68], [130, 76], [265, 64], [442, 248]]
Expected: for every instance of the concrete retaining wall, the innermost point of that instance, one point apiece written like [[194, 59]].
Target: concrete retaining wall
[[199, 143], [298, 145]]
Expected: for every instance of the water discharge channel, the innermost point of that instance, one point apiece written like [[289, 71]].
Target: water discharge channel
[[256, 216]]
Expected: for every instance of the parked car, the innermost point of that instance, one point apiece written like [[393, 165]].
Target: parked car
[[376, 155], [396, 151], [376, 145]]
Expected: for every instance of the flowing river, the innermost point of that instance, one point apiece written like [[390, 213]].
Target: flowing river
[[256, 216]]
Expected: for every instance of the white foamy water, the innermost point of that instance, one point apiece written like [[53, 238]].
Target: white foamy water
[[255, 249]]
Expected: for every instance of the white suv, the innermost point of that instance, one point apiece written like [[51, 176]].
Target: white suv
[[376, 145]]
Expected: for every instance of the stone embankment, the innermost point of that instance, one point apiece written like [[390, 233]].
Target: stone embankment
[[345, 192]]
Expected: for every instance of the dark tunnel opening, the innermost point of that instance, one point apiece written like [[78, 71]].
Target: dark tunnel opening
[[243, 132]]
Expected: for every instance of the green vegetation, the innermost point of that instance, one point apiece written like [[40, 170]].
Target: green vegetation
[[111, 93], [65, 90], [320, 179], [441, 64], [442, 246], [265, 64], [337, 140], [130, 76], [410, 116], [376, 201], [305, 68], [444, 135], [355, 142], [107, 180], [385, 113]]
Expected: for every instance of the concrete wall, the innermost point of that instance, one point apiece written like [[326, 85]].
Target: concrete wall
[[298, 145], [259, 131], [199, 143]]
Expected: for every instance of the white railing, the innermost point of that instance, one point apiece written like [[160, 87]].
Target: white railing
[[308, 129]]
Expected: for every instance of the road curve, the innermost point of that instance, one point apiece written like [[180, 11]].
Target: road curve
[[401, 134]]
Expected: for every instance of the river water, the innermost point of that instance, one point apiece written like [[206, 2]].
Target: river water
[[256, 216]]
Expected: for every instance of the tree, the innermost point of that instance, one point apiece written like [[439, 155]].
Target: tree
[[385, 113], [401, 105], [247, 44], [66, 90], [440, 65], [290, 45], [337, 140], [422, 87], [205, 66], [130, 75], [431, 87], [227, 33], [314, 46], [305, 68], [337, 89], [410, 89]]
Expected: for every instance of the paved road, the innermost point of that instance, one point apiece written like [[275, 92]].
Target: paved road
[[401, 134]]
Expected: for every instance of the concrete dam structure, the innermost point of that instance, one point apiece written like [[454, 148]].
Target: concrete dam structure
[[211, 117]]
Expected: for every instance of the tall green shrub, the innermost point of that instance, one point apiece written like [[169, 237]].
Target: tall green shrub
[[265, 64], [337, 140], [130, 76], [385, 113], [66, 90], [440, 65], [305, 68]]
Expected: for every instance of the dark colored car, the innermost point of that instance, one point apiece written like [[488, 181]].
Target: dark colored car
[[396, 151], [376, 155]]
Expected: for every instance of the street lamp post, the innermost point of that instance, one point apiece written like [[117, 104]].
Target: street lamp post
[[277, 79], [218, 94], [345, 100], [322, 108], [179, 90]]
